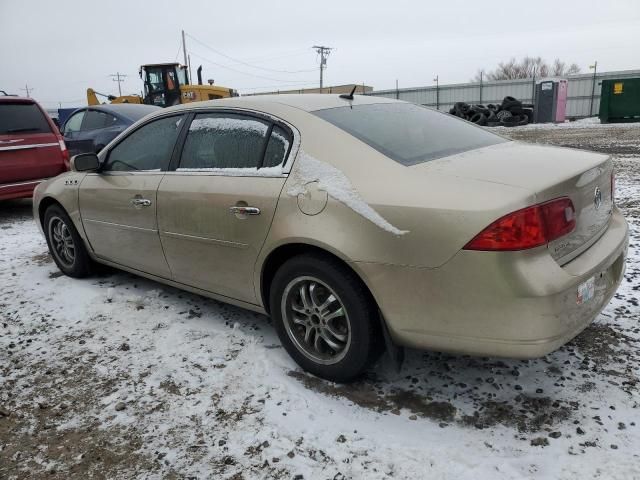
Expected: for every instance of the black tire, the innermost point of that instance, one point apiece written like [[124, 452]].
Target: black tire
[[491, 117], [461, 109], [503, 114], [480, 109], [61, 242], [479, 119], [511, 121], [529, 113], [361, 324], [523, 120], [493, 123], [493, 108]]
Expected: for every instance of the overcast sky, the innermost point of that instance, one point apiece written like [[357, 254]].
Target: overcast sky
[[59, 48]]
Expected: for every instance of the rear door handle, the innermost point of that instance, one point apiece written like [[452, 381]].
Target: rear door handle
[[239, 210], [140, 202]]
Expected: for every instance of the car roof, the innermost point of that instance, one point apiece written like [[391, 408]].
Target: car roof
[[132, 111], [16, 99], [308, 102], [124, 111]]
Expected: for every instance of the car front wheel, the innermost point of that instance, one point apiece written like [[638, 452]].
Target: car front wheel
[[65, 244], [325, 317]]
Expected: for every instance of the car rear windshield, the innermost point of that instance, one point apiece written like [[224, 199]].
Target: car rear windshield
[[408, 133], [22, 118]]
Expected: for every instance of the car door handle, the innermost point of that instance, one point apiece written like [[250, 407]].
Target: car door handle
[[240, 210], [140, 202]]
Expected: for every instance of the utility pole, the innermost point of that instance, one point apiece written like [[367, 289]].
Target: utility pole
[[118, 77], [593, 67], [437, 92], [27, 89], [324, 53]]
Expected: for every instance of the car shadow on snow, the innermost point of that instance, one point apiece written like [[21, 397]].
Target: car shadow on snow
[[527, 395], [14, 211]]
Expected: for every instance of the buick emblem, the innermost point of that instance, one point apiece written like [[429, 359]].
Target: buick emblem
[[597, 198]]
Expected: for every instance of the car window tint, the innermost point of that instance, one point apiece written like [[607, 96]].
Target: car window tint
[[409, 133], [277, 148], [22, 118], [74, 122], [148, 148], [94, 120], [224, 140]]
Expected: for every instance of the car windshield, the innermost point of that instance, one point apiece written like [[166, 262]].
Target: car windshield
[[22, 118], [409, 133]]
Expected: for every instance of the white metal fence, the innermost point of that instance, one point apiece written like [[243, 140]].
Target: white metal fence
[[444, 96]]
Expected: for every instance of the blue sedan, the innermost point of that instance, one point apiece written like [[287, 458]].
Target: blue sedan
[[89, 129]]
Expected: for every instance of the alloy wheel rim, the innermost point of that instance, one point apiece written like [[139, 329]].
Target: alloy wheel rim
[[316, 320], [62, 241]]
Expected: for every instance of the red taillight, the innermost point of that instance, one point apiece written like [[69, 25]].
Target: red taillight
[[65, 153], [559, 218], [527, 228]]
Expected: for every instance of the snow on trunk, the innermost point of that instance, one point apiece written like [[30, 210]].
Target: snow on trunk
[[331, 180]]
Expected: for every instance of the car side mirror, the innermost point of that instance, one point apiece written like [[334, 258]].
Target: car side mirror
[[85, 162]]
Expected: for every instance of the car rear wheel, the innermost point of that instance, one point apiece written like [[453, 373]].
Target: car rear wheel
[[325, 318], [65, 244]]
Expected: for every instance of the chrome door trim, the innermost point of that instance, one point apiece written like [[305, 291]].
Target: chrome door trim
[[28, 182], [121, 227], [27, 147], [224, 243]]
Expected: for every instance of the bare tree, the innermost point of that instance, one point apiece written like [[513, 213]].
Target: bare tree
[[527, 68]]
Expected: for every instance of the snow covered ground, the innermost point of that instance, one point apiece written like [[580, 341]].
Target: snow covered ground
[[119, 377]]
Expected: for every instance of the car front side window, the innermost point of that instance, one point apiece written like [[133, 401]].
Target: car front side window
[[149, 148], [224, 141]]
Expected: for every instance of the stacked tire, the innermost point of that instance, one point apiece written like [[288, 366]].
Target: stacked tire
[[510, 113]]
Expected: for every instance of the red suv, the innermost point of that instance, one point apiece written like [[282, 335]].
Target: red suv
[[31, 147]]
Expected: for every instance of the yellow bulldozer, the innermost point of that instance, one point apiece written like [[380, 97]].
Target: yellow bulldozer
[[165, 85]]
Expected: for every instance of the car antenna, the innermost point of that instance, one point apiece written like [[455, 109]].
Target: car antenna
[[349, 96]]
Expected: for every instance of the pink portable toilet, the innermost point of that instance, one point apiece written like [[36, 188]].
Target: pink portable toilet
[[551, 100], [561, 101]]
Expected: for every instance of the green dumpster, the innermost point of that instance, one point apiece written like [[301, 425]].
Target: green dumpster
[[620, 100]]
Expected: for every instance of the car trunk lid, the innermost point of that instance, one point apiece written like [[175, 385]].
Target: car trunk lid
[[550, 172]]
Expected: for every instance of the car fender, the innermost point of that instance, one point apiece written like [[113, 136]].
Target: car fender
[[63, 190]]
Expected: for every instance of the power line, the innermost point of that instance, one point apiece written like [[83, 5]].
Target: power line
[[324, 53], [241, 62], [243, 72], [118, 77]]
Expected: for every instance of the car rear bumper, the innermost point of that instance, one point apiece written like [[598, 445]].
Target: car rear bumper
[[509, 304]]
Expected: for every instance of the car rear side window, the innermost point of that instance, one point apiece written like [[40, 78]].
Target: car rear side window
[[277, 148], [148, 148], [22, 118], [94, 120], [408, 133], [224, 140]]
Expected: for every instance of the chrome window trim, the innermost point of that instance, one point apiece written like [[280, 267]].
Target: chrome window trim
[[286, 166], [295, 142]]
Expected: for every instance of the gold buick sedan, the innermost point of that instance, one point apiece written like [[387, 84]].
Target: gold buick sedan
[[357, 223]]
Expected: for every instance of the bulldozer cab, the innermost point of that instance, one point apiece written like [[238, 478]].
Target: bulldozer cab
[[162, 83]]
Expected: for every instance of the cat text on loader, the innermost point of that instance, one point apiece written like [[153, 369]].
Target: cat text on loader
[[167, 84]]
